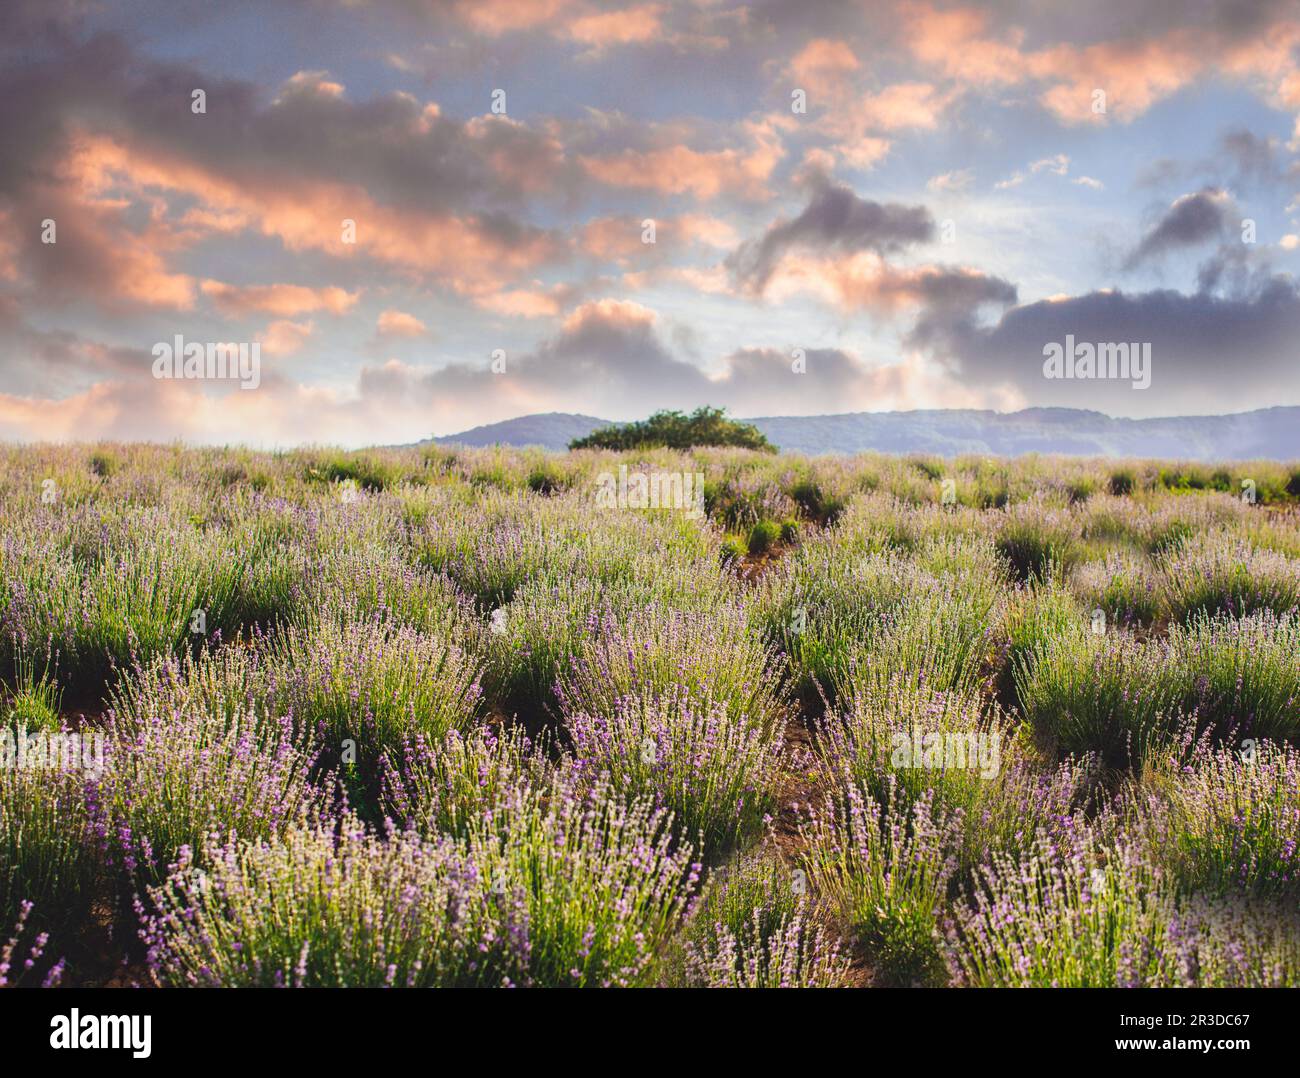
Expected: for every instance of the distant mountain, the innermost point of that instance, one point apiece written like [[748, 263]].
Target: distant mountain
[[1269, 433], [550, 430]]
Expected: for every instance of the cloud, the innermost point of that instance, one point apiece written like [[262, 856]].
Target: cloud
[[822, 68], [856, 116], [835, 221], [1255, 159], [609, 358], [632, 25], [283, 338], [679, 169], [394, 323], [495, 17], [623, 239], [865, 282], [1197, 344], [284, 300], [1146, 57], [95, 141], [1057, 165], [524, 231], [538, 302], [957, 180], [1191, 220]]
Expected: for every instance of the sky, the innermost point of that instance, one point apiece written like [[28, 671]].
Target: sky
[[417, 216]]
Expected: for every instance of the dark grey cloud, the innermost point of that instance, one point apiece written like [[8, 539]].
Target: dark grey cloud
[[612, 360], [1237, 352], [1253, 158], [1192, 220], [1160, 172], [835, 221], [952, 303], [400, 153]]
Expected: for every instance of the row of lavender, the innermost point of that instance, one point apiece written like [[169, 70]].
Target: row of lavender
[[441, 718]]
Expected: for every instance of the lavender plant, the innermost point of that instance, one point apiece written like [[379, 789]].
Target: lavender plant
[[1105, 693], [444, 786], [1065, 915], [886, 873], [9, 978], [1122, 587], [603, 886], [910, 742], [175, 776], [656, 650], [1240, 675], [1229, 819], [1216, 573], [329, 904], [1085, 914], [756, 927], [715, 772], [47, 856], [363, 688]]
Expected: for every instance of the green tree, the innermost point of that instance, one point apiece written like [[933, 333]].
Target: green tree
[[676, 430]]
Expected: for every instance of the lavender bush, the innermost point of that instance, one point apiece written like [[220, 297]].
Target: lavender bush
[[175, 776], [886, 872], [330, 904], [47, 856], [715, 772], [1229, 819], [757, 927], [1084, 915], [363, 688], [35, 952]]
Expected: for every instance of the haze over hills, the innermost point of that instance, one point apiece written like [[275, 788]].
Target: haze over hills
[[1271, 433]]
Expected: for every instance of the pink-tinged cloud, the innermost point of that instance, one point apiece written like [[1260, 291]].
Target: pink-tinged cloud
[[822, 69], [496, 17], [283, 338], [905, 105], [526, 302], [867, 282], [705, 174], [8, 249], [1133, 73], [628, 26], [101, 250], [394, 323], [284, 300], [954, 42], [848, 108], [623, 239], [469, 253]]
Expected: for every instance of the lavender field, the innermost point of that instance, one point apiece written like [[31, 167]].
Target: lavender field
[[442, 717]]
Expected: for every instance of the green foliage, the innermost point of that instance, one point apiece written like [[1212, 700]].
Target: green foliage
[[763, 536], [1121, 482], [675, 430]]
